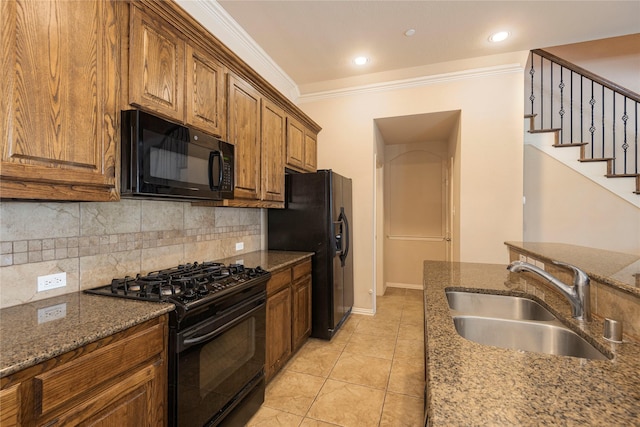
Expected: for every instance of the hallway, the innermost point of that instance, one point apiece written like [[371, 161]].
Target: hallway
[[370, 374]]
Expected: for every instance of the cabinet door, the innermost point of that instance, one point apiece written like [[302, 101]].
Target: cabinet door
[[295, 144], [10, 406], [301, 322], [205, 100], [274, 125], [244, 133], [156, 66], [278, 337], [59, 124], [310, 151]]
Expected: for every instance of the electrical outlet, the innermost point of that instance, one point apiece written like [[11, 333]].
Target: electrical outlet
[[539, 264], [53, 312], [523, 258], [240, 261], [52, 281], [239, 246]]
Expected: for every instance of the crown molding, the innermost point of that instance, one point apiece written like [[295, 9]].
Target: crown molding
[[412, 82], [216, 19]]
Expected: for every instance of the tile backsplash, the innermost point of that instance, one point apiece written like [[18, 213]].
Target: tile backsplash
[[95, 242]]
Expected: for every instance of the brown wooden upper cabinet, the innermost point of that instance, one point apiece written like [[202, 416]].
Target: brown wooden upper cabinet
[[59, 104], [244, 133], [69, 67], [257, 128], [301, 149], [274, 131], [174, 78], [206, 101]]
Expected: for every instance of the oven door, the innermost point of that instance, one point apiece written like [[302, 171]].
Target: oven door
[[218, 362]]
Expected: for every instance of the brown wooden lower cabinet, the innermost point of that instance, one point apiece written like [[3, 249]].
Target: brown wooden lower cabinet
[[119, 380], [288, 314]]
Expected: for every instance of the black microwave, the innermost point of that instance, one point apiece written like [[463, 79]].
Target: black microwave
[[165, 160]]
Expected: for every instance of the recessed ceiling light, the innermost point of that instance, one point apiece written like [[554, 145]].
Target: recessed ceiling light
[[409, 32], [499, 36], [360, 60]]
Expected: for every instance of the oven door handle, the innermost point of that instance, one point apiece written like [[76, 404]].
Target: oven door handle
[[198, 339]]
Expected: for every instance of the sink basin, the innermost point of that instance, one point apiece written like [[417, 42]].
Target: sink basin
[[502, 306], [549, 338]]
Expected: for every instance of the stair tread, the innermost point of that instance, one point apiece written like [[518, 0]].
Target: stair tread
[[545, 130], [622, 175], [573, 144], [602, 159]]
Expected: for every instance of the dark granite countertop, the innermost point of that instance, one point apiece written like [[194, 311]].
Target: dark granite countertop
[[25, 342], [475, 384]]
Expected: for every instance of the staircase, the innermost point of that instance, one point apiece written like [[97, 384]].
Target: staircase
[[586, 122]]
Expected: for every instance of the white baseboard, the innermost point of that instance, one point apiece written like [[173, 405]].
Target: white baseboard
[[404, 285], [365, 311]]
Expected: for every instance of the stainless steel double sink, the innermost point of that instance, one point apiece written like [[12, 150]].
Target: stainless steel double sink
[[517, 323]]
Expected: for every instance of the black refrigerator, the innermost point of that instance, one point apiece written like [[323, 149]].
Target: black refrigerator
[[317, 218]]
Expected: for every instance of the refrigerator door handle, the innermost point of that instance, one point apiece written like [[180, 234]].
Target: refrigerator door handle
[[343, 253]]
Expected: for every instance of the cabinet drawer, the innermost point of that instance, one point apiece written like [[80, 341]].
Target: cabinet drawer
[[278, 280], [80, 377], [301, 269]]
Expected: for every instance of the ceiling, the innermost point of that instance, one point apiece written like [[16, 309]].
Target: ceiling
[[315, 41]]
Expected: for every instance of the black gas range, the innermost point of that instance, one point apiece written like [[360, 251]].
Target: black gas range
[[216, 338]]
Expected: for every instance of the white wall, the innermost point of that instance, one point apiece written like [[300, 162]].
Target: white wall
[[490, 155], [560, 208]]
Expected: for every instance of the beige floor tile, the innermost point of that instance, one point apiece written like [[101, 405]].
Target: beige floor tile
[[362, 370], [393, 304], [314, 360], [409, 349], [268, 417], [402, 411], [348, 405], [414, 294], [310, 422], [292, 392], [379, 327], [337, 342], [406, 378], [409, 331], [371, 361], [414, 302], [351, 323], [371, 345], [412, 316], [391, 291]]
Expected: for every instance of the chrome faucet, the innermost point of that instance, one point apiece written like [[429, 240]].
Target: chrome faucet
[[578, 295]]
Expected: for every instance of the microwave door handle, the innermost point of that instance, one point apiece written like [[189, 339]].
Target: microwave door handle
[[212, 156]]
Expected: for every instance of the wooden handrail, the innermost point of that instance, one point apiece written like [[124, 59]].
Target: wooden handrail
[[588, 74]]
